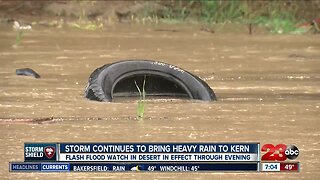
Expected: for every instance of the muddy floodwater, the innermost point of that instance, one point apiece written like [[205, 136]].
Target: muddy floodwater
[[267, 86]]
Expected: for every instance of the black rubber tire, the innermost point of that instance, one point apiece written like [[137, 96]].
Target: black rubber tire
[[103, 80]]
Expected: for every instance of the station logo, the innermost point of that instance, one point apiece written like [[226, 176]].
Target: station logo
[[280, 152]]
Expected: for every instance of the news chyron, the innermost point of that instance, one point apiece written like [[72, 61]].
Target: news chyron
[[165, 157]]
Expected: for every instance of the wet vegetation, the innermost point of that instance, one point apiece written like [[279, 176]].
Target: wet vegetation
[[284, 16], [277, 16], [20, 31], [141, 102], [18, 37]]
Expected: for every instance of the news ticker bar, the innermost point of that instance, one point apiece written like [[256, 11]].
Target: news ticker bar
[[98, 167], [159, 157], [149, 167]]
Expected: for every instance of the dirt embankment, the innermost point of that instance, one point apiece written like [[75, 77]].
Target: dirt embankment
[[125, 11], [105, 11]]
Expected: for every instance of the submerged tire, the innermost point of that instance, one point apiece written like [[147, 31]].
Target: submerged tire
[[103, 80]]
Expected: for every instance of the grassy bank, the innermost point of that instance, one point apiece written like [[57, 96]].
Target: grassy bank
[[276, 16], [281, 16]]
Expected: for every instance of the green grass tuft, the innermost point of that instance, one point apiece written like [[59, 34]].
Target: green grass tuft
[[223, 11], [141, 102], [276, 24], [19, 37]]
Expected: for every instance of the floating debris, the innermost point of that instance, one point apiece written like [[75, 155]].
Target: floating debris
[[27, 72], [28, 120], [18, 27]]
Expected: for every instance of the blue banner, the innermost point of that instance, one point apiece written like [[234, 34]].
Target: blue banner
[[116, 167], [159, 148]]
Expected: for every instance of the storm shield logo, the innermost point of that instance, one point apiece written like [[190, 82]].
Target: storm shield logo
[[49, 151]]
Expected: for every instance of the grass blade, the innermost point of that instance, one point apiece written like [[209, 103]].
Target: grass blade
[[141, 103]]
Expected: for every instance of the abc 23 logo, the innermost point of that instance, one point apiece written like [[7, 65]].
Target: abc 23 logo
[[280, 152]]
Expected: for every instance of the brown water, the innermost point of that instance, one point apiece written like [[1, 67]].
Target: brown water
[[267, 86]]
